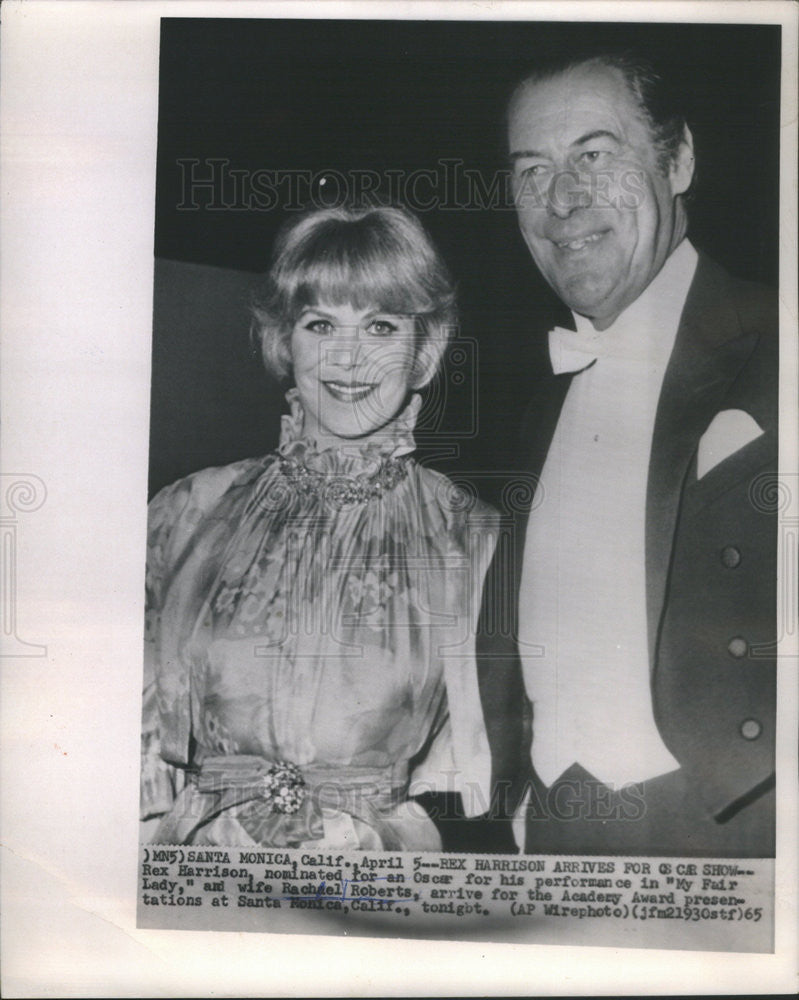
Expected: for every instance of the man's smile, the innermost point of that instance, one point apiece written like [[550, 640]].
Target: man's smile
[[577, 243]]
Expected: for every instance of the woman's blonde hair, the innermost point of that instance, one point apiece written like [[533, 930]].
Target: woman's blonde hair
[[377, 257]]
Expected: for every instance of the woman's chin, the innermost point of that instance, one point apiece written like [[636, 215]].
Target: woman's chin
[[355, 428], [348, 435]]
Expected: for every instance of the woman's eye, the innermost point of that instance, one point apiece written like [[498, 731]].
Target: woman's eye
[[382, 328], [320, 326]]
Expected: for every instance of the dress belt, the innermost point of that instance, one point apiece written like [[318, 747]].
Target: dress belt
[[279, 803]]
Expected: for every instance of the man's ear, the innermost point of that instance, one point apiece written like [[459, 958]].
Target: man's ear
[[681, 171]]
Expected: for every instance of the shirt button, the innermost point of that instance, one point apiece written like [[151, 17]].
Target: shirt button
[[730, 556], [738, 647], [751, 729]]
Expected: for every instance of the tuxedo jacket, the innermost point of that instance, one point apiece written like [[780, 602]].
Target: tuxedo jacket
[[710, 559]]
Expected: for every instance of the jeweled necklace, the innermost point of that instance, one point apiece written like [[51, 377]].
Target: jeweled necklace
[[343, 489]]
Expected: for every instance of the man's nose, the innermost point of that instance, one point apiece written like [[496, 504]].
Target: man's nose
[[567, 191]]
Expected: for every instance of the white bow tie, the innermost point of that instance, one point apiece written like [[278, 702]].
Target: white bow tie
[[570, 351], [574, 350]]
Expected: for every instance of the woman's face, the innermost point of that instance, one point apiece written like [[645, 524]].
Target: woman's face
[[353, 369]]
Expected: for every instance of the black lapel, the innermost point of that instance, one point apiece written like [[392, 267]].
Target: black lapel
[[709, 352], [499, 669]]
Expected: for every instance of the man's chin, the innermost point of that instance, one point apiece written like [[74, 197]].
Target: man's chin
[[587, 302]]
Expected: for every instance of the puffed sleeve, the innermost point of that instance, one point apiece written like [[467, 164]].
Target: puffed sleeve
[[177, 517], [160, 782], [459, 759]]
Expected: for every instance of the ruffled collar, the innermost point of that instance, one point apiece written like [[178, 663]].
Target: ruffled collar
[[393, 441]]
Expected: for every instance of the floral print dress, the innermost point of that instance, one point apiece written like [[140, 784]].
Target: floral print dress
[[309, 656]]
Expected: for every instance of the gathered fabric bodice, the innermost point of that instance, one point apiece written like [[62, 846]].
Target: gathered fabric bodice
[[308, 607]]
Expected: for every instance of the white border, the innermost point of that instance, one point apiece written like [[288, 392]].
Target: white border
[[79, 106]]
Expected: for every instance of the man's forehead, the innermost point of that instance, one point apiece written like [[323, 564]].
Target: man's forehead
[[587, 96]]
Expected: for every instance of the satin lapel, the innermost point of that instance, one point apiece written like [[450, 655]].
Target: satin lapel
[[541, 419], [499, 670], [708, 354]]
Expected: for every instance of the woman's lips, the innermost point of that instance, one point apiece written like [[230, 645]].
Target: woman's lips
[[349, 392]]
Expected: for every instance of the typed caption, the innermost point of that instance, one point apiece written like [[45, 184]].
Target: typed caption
[[704, 904]]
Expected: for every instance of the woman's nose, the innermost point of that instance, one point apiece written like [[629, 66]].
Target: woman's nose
[[345, 352], [567, 191]]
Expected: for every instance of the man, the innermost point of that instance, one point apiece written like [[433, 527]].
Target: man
[[644, 577]]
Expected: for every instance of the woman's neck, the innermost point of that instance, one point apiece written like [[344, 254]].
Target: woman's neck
[[391, 440]]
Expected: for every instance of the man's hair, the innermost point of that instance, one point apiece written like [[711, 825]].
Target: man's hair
[[660, 104]]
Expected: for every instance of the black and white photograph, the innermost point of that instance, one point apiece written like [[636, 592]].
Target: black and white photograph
[[464, 506]]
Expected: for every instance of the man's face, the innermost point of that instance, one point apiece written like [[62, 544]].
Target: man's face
[[597, 212]]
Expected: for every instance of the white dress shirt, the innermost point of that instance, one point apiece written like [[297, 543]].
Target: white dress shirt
[[583, 625]]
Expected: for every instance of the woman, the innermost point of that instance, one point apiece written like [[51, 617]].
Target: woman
[[309, 639]]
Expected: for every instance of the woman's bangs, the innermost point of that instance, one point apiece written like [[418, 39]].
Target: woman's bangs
[[343, 273]]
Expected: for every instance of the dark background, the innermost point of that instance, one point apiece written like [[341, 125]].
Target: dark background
[[280, 95]]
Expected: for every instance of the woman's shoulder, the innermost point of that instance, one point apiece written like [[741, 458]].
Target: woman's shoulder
[[456, 499], [192, 497]]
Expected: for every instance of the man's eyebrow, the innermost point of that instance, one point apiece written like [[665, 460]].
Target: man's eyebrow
[[532, 154], [526, 154], [600, 133]]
